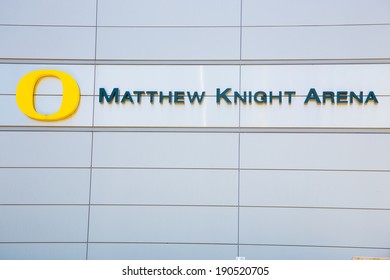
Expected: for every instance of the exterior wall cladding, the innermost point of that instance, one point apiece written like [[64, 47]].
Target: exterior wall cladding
[[196, 181]]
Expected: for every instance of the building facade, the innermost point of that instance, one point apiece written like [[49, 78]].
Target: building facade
[[205, 129]]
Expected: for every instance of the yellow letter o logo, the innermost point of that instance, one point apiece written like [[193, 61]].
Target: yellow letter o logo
[[25, 93]]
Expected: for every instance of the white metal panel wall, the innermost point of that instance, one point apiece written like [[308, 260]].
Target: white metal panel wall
[[123, 181], [30, 42], [316, 42]]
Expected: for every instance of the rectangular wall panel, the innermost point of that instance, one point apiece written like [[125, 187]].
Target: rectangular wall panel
[[301, 78], [104, 251], [206, 114], [13, 116], [53, 12], [153, 186], [43, 251], [12, 73], [170, 13], [325, 42], [44, 186], [306, 12], [300, 115], [45, 149], [43, 223], [315, 151], [308, 253], [37, 42], [167, 78], [320, 227], [315, 188], [168, 43], [163, 224], [169, 150], [147, 113]]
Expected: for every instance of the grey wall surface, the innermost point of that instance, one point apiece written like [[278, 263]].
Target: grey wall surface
[[193, 182]]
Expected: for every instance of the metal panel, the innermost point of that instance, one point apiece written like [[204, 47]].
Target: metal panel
[[167, 77], [188, 79], [319, 227], [315, 151], [168, 43], [308, 253], [42, 251], [43, 223], [300, 115], [153, 186], [45, 149], [163, 224], [300, 78], [43, 12], [169, 150], [325, 42], [306, 12], [102, 251], [44, 186], [12, 73], [31, 42], [207, 114], [315, 188], [169, 13], [12, 116]]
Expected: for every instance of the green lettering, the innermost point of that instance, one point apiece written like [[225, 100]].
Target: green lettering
[[195, 96], [127, 96], [353, 96], [371, 97], [179, 97], [223, 95], [263, 98], [139, 94], [289, 94], [114, 95], [169, 97], [279, 97], [328, 95], [238, 96], [151, 94], [312, 95], [342, 97]]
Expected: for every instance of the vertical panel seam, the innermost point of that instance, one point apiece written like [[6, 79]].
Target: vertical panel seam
[[92, 132], [239, 141]]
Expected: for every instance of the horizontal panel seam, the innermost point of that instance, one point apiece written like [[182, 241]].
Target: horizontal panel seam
[[191, 62], [194, 130], [192, 168], [60, 94], [132, 26], [195, 206], [314, 25], [122, 26], [198, 105], [313, 245], [192, 243], [190, 129], [46, 25]]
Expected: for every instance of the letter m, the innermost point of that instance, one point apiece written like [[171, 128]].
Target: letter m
[[103, 94]]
